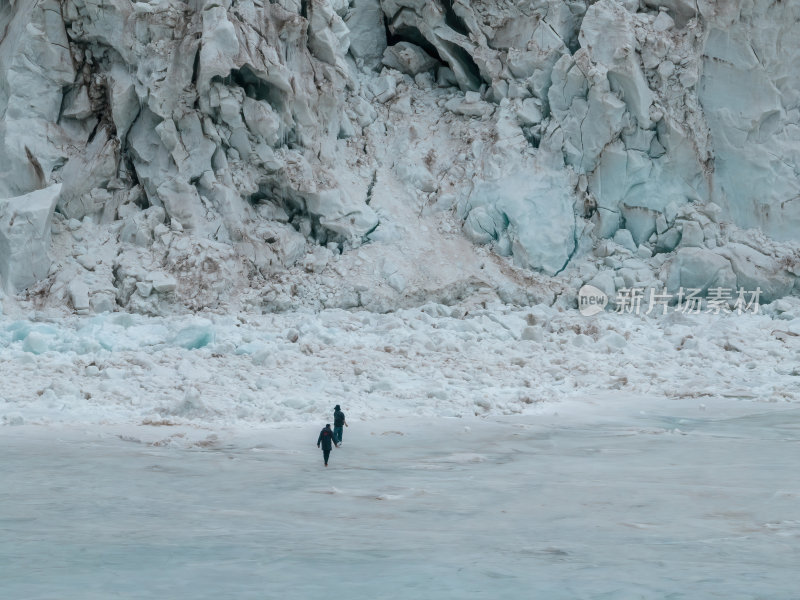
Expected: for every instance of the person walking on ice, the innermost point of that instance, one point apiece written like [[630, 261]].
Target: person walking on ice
[[339, 423], [325, 439]]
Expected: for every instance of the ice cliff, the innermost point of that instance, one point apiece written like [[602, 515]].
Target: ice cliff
[[167, 155]]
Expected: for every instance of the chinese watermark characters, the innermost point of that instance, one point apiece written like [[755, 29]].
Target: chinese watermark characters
[[647, 301]]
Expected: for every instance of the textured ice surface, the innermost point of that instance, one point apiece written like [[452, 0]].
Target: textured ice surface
[[25, 237], [436, 361], [531, 213], [228, 145], [609, 496]]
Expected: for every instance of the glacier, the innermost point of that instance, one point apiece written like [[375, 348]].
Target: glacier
[[221, 218], [231, 145]]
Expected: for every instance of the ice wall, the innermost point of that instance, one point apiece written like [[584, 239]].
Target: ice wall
[[215, 145]]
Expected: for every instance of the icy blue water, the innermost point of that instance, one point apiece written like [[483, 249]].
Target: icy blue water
[[674, 503]]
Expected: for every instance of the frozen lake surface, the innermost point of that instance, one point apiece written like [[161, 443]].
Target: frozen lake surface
[[615, 497]]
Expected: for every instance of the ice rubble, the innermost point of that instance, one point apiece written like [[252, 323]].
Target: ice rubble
[[269, 155], [433, 360]]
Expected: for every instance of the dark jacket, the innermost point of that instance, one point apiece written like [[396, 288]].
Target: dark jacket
[[325, 438], [338, 418]]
